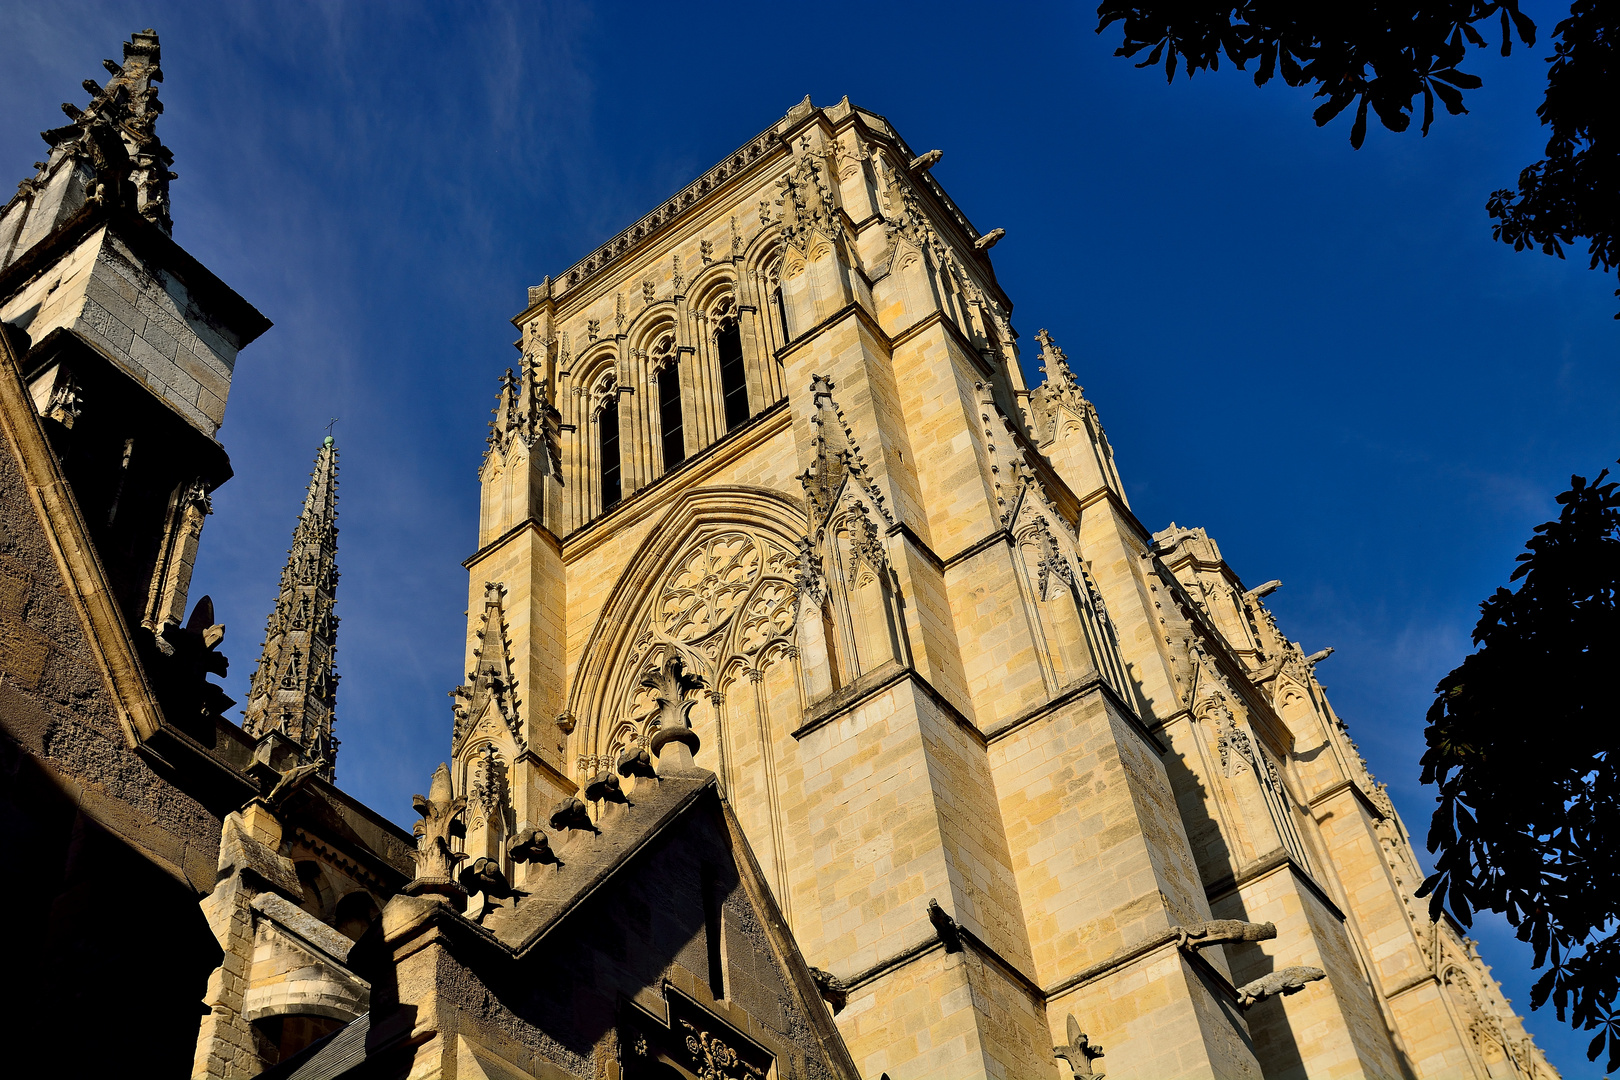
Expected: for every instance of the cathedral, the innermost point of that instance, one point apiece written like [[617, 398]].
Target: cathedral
[[827, 710]]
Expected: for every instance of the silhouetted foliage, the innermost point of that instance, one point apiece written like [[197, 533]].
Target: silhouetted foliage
[[1524, 746], [1382, 56]]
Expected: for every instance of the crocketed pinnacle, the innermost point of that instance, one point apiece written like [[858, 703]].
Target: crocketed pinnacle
[[294, 688], [1055, 362], [109, 150]]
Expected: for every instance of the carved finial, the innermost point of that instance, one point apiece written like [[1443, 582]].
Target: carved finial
[[440, 810], [1079, 1052], [113, 140], [674, 743], [1055, 362]]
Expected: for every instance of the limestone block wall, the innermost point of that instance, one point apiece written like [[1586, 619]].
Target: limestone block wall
[[141, 317], [1070, 785]]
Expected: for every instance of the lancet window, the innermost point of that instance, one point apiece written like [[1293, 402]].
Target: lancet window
[[665, 364], [733, 373], [607, 440]]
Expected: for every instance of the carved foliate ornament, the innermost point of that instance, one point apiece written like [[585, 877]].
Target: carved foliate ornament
[[440, 809], [1054, 571], [1231, 740], [807, 201], [867, 558], [836, 458], [716, 1059], [1079, 1052], [487, 794], [670, 683]]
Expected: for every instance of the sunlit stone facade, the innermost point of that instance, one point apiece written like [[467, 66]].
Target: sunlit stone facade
[[1002, 751]]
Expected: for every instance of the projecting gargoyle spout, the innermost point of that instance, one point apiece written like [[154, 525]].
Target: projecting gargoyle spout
[[1223, 932]]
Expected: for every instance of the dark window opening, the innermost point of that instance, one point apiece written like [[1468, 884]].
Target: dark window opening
[[669, 415], [781, 315], [733, 378], [608, 424]]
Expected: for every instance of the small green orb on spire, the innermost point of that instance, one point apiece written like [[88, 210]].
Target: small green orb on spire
[[327, 441]]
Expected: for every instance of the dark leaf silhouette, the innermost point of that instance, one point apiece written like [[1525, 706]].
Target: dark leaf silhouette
[[1525, 752], [1383, 56]]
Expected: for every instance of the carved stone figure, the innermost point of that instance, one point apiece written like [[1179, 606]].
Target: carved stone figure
[[1280, 983], [948, 929], [1223, 932], [832, 989], [531, 846], [571, 815], [485, 876]]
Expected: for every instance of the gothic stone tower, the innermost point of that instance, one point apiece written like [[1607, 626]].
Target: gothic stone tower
[[1001, 753]]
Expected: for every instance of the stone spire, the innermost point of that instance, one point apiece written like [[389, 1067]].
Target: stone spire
[[108, 152], [294, 688]]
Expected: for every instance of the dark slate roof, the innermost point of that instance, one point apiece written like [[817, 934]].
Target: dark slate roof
[[588, 860], [328, 1058]]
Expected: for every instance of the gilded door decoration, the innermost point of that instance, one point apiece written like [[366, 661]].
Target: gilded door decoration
[[714, 1059]]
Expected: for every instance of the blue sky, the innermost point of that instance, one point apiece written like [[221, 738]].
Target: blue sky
[[1317, 354]]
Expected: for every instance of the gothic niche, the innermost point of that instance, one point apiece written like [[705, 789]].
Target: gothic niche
[[489, 805], [848, 594], [1074, 637], [1050, 580]]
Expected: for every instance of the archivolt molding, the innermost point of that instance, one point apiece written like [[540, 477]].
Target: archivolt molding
[[713, 584], [650, 327], [717, 280]]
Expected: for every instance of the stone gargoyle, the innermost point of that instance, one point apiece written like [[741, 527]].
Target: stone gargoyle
[[1223, 932], [1280, 983]]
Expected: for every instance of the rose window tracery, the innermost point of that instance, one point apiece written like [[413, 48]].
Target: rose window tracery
[[701, 596], [731, 595]]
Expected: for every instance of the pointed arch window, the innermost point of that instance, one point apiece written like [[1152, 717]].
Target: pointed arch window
[[733, 375], [608, 446], [669, 415]]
